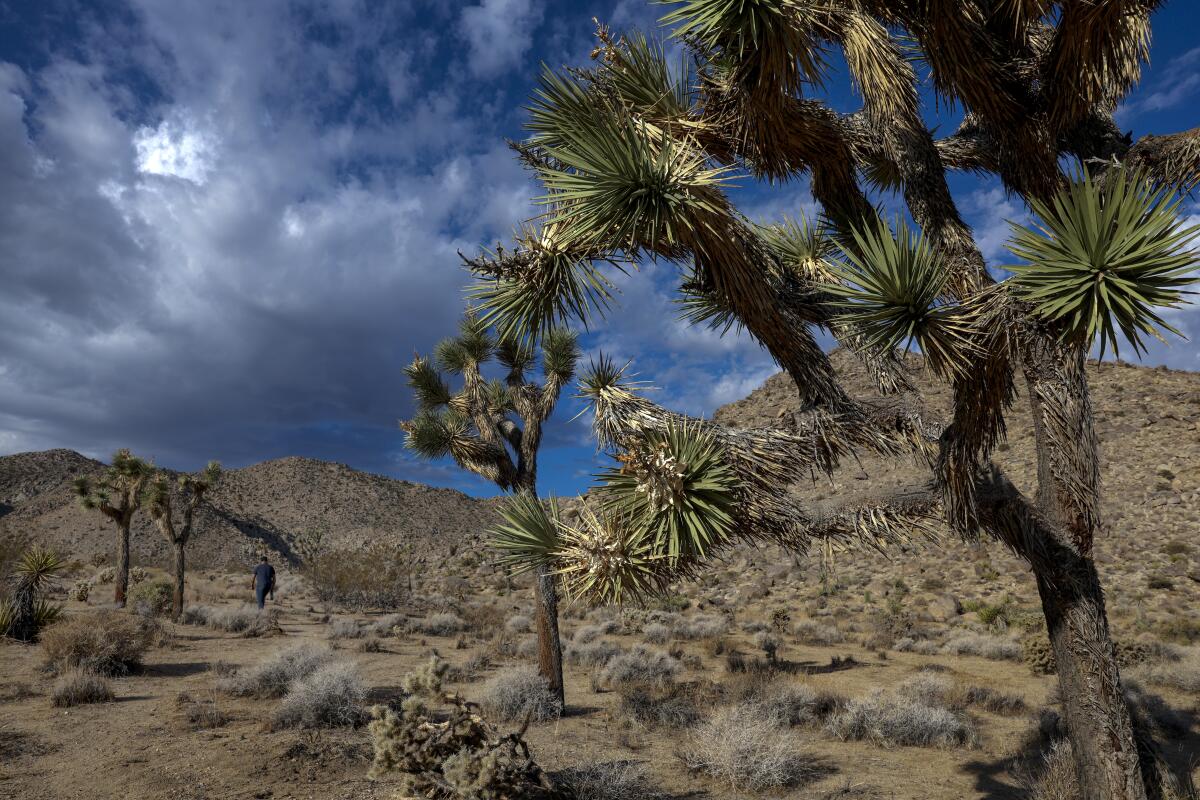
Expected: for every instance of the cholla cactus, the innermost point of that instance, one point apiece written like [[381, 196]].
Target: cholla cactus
[[636, 156], [453, 755], [160, 502], [117, 495], [494, 428]]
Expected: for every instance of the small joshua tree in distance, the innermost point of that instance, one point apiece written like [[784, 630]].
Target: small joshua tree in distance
[[118, 495], [160, 503], [494, 428]]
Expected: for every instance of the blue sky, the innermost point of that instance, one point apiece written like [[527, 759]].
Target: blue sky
[[225, 226]]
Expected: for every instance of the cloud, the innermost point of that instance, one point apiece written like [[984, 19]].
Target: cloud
[[990, 211], [236, 266], [499, 33], [1177, 82]]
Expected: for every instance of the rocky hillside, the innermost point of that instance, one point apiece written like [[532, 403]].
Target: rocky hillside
[[266, 504], [1148, 421]]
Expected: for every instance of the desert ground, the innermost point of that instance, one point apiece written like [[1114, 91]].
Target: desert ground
[[922, 672], [172, 731]]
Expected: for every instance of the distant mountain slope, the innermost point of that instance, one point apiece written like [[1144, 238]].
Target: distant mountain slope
[[1148, 421], [264, 504]]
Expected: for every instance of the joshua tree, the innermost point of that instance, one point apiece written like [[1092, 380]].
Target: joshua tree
[[26, 614], [159, 503], [118, 495], [635, 157], [494, 429]]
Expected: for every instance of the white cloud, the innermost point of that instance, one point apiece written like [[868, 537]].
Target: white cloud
[[177, 147], [499, 33], [990, 211]]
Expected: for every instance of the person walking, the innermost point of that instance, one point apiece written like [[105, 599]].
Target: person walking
[[264, 582]]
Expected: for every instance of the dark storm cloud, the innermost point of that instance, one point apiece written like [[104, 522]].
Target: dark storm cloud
[[241, 270]]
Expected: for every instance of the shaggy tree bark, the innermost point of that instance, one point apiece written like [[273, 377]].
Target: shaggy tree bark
[[549, 647], [121, 580]]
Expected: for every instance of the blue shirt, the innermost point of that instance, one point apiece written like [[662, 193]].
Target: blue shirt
[[264, 576]]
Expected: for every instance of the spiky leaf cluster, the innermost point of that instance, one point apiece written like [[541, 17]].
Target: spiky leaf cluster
[[676, 487], [1101, 259], [527, 536], [120, 484], [891, 294]]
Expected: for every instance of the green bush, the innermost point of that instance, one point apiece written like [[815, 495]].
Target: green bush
[[155, 595]]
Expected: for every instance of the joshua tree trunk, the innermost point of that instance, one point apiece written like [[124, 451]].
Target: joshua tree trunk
[[1094, 707], [549, 647], [177, 596], [24, 627], [121, 580]]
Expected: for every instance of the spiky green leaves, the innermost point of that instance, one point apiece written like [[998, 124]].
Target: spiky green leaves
[[560, 352], [776, 45], [547, 282], [801, 247], [472, 347], [615, 182], [527, 536], [891, 295], [676, 487], [1101, 259], [637, 72], [36, 567], [427, 384], [668, 506], [431, 434], [604, 559]]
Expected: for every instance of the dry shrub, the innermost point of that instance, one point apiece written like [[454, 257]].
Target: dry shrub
[[519, 692], [922, 647], [640, 666], [901, 718], [656, 633], [375, 578], [591, 654], [274, 676], [1184, 675], [345, 629], [386, 625], [590, 633], [154, 596], [671, 706], [610, 780], [77, 686], [812, 633], [792, 704], [247, 620], [518, 624], [106, 642], [742, 747], [329, 697], [443, 624], [202, 714], [700, 626], [995, 648]]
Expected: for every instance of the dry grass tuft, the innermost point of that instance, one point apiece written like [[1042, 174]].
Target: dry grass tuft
[[513, 694], [77, 686], [742, 747], [329, 697], [640, 666], [274, 676], [106, 642]]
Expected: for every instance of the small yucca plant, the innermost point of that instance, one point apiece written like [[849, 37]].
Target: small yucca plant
[[25, 614]]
